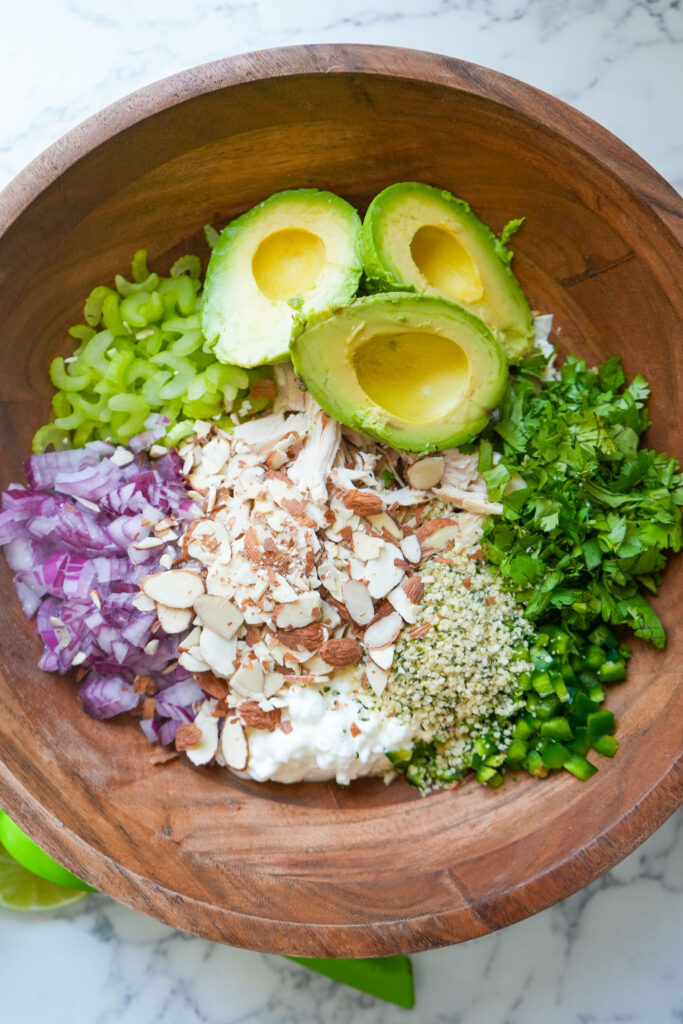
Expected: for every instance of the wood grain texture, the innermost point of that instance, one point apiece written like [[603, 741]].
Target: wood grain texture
[[314, 869]]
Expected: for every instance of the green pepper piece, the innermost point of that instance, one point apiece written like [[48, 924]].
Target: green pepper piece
[[600, 723], [548, 708], [561, 690], [489, 776], [603, 636], [554, 754], [542, 684], [524, 727], [582, 707], [534, 765], [580, 767], [389, 977], [557, 729], [612, 671], [606, 745], [580, 744], [517, 751], [596, 693], [594, 656]]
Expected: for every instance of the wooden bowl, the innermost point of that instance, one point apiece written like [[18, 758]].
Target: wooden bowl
[[315, 869]]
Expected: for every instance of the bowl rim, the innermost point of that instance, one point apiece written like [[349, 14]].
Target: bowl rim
[[609, 846]]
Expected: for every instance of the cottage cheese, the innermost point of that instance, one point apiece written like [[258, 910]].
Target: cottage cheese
[[335, 734]]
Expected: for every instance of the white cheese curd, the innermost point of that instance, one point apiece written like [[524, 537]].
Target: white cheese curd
[[322, 744]]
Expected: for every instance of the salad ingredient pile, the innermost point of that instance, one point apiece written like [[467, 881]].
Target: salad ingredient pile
[[314, 582]]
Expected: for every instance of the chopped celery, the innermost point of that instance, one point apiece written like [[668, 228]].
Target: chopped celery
[[141, 351]]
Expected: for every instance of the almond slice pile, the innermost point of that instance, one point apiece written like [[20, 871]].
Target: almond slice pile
[[304, 560]]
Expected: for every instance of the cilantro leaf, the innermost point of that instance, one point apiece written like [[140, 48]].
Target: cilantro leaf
[[597, 513]]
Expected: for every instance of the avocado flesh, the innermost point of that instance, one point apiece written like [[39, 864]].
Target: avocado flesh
[[293, 256], [417, 372], [422, 239]]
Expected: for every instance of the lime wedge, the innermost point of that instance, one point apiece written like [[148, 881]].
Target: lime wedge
[[35, 860], [22, 890]]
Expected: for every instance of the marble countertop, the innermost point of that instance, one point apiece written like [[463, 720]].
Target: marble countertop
[[612, 951]]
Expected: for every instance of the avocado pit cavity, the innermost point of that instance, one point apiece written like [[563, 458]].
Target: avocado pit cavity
[[446, 264], [416, 376], [288, 263]]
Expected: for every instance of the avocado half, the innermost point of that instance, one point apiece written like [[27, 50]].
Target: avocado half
[[417, 372], [296, 254], [422, 239]]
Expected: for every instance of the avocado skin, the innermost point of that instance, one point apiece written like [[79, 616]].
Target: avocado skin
[[230, 236], [380, 275], [325, 366]]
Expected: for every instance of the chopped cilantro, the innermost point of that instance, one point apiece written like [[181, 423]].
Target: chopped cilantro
[[590, 527]]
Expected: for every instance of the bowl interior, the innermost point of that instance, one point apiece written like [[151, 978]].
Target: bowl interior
[[316, 869]]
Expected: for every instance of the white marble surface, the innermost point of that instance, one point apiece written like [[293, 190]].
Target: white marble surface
[[610, 953]]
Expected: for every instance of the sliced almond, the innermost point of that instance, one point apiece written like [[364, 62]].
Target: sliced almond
[[273, 681], [149, 542], [410, 546], [191, 640], [308, 637], [234, 745], [253, 715], [187, 734], [178, 588], [341, 652], [383, 632], [317, 666], [386, 524], [366, 547], [205, 747], [358, 602], [301, 612], [437, 534], [144, 603], [212, 685], [426, 473], [414, 589], [377, 678], [174, 620], [218, 653], [382, 574], [400, 600], [191, 663], [219, 614], [248, 679], [207, 541], [383, 656], [363, 503]]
